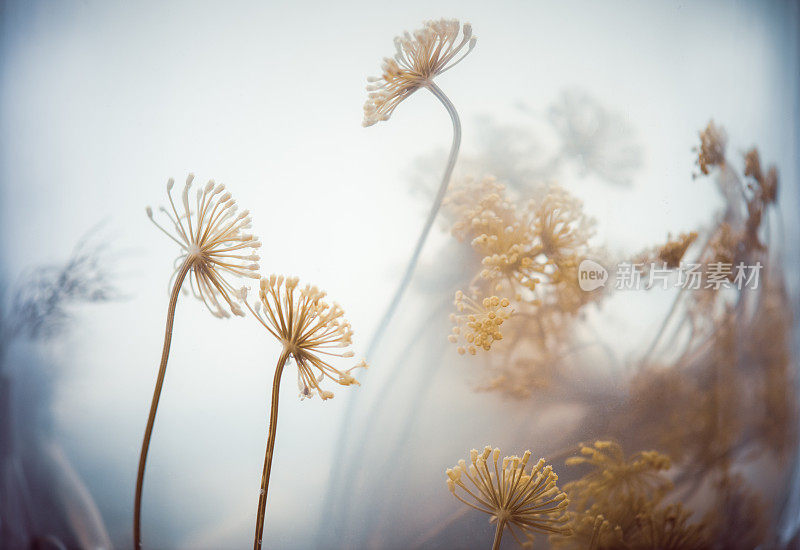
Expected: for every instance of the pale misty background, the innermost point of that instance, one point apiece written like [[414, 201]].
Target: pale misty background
[[101, 102]]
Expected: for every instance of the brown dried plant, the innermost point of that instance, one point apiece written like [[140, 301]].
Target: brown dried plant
[[619, 503], [528, 502], [214, 246], [312, 332], [714, 390]]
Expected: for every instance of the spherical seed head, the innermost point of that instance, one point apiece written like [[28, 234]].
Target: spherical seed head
[[212, 241], [418, 59], [313, 331], [529, 502]]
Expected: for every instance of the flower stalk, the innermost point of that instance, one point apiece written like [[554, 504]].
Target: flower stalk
[[426, 229], [498, 534], [273, 426], [151, 418], [213, 246], [315, 334]]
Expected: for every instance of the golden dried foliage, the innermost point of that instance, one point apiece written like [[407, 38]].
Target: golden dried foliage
[[711, 151]]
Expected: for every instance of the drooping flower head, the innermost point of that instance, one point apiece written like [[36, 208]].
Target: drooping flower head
[[478, 321], [311, 330], [420, 57], [530, 502], [213, 241]]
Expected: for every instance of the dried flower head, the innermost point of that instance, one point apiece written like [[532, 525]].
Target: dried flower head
[[530, 502], [478, 321], [613, 475], [561, 226], [541, 242], [420, 57], [501, 236], [213, 242], [310, 329], [711, 151]]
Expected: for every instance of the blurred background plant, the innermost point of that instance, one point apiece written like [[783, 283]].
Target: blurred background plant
[[708, 401], [43, 501]]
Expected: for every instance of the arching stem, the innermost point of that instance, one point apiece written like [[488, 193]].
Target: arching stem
[[426, 229], [148, 431], [406, 279], [498, 534], [273, 425]]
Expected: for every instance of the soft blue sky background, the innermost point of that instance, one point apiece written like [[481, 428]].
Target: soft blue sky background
[[101, 102]]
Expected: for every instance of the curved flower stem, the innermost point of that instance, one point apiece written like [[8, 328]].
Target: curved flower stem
[[148, 431], [273, 425], [498, 534], [336, 484], [426, 229]]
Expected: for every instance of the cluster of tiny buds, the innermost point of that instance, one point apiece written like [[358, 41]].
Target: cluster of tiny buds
[[478, 323]]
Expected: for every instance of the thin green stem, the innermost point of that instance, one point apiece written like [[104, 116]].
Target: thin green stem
[[148, 431], [273, 425]]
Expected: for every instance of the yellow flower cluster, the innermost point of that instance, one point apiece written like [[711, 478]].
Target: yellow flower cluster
[[529, 256], [520, 247], [478, 323]]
